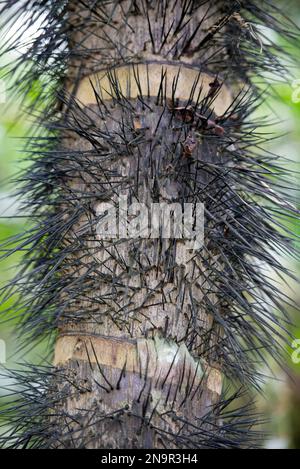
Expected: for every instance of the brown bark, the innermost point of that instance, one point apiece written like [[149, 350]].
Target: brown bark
[[138, 348]]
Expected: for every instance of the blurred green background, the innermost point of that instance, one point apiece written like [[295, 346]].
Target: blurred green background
[[281, 403]]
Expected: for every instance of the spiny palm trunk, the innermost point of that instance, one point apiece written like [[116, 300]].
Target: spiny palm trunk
[[145, 348], [151, 108]]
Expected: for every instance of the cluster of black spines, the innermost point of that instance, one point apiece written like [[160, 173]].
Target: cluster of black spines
[[247, 196]]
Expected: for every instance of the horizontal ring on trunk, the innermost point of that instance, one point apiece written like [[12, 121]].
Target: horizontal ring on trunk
[[155, 79], [154, 357]]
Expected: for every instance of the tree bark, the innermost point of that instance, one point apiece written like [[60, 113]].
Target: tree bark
[[137, 342], [147, 102]]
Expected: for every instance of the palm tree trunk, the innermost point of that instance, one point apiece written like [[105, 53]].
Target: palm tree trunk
[[148, 102], [136, 335]]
